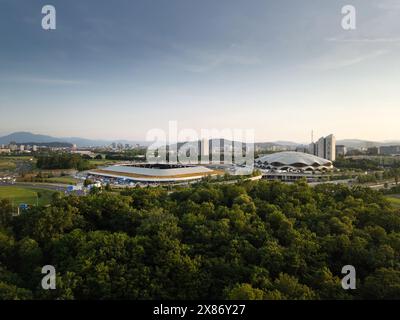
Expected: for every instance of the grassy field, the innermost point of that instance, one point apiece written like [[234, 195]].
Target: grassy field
[[31, 196], [63, 180], [394, 200], [6, 164], [101, 162]]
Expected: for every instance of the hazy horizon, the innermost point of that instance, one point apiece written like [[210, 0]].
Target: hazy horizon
[[116, 70], [144, 140]]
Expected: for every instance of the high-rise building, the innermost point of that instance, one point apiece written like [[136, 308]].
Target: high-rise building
[[330, 148], [205, 147], [324, 148], [312, 149], [321, 148], [389, 150], [204, 151]]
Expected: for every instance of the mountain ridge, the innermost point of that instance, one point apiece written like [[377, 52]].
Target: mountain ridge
[[25, 137], [28, 137]]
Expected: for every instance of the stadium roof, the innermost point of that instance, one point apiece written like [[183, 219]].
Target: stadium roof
[[157, 171], [291, 157], [155, 174], [294, 160]]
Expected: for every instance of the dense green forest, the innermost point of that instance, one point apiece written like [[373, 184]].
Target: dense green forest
[[62, 161], [254, 240], [367, 164]]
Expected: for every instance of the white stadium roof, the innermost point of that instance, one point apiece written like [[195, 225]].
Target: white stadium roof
[[294, 160], [156, 171], [146, 173]]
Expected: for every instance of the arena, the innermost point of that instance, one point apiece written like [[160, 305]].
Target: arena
[[154, 173], [292, 161]]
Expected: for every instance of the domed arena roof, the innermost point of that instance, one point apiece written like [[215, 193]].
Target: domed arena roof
[[294, 160], [155, 172]]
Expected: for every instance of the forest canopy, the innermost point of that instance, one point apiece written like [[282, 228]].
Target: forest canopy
[[253, 240], [62, 161]]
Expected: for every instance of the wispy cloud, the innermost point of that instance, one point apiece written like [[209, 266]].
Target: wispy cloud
[[46, 81], [391, 5], [334, 62], [200, 61], [364, 40]]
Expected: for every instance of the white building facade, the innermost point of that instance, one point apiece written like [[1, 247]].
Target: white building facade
[[324, 148]]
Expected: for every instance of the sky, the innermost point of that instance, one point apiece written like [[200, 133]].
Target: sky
[[117, 69]]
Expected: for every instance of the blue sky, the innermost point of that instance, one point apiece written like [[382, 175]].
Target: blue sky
[[116, 69]]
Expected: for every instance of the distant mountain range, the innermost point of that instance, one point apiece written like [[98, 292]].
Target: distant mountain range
[[217, 143], [31, 138], [357, 143], [39, 139]]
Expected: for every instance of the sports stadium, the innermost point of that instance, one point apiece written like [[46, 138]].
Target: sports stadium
[[155, 173], [292, 161]]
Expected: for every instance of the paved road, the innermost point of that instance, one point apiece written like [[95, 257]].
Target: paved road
[[382, 185], [344, 181]]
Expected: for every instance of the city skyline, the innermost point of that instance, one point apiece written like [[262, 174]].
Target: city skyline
[[64, 139], [115, 71]]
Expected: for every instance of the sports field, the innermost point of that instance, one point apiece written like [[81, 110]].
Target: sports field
[[19, 195]]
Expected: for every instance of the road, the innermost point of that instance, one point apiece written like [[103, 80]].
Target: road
[[344, 181], [382, 185]]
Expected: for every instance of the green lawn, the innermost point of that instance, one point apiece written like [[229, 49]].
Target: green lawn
[[6, 164], [62, 180], [101, 162], [395, 201], [31, 196]]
